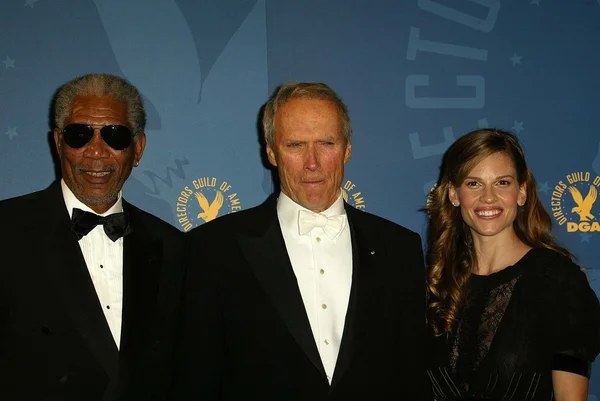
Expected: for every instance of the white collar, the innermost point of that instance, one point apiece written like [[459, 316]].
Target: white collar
[[287, 210]]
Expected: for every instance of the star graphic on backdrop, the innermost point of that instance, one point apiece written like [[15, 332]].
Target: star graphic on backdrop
[[30, 3], [12, 132], [518, 127], [585, 237], [536, 2], [543, 187], [8, 63], [515, 59]]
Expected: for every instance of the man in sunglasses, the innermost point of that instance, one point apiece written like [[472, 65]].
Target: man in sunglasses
[[91, 282]]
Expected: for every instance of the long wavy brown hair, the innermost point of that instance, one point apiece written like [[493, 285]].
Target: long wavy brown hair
[[450, 253]]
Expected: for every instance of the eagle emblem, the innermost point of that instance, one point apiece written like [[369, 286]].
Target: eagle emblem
[[209, 211], [584, 206]]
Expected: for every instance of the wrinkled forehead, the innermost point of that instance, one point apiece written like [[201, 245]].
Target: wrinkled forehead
[[97, 110], [309, 112]]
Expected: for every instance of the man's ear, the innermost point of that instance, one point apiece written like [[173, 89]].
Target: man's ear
[[140, 145], [57, 142], [271, 155], [348, 152]]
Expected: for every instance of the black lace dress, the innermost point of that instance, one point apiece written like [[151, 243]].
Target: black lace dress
[[517, 326]]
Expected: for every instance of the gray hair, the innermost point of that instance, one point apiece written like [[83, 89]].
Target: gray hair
[[307, 90], [101, 85]]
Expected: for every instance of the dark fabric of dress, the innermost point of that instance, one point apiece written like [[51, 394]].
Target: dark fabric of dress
[[516, 326]]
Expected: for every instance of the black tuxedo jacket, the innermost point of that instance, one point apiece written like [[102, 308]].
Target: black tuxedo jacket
[[245, 334], [55, 343]]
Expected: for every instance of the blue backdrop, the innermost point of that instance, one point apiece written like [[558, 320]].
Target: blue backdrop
[[416, 74]]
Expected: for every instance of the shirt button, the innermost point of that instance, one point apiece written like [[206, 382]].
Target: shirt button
[[322, 272], [324, 306], [107, 306], [101, 266], [318, 239], [326, 342]]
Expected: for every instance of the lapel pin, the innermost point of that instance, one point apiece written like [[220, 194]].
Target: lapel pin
[[372, 252]]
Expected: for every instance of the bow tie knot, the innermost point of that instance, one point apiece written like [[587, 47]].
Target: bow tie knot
[[115, 225], [332, 226]]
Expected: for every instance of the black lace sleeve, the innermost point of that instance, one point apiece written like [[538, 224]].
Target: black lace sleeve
[[577, 324]]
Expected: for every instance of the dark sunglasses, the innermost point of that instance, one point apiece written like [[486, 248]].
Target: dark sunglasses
[[77, 136]]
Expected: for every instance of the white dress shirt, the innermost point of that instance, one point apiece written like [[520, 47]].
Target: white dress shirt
[[323, 269], [104, 260]]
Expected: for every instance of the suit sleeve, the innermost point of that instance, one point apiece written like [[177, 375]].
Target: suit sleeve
[[576, 314], [199, 357], [419, 389]]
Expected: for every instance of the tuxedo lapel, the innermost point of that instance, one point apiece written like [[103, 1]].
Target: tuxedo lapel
[[364, 265], [142, 255], [68, 274], [266, 253]]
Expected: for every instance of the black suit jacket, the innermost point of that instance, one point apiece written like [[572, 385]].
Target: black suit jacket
[[245, 334], [55, 343]]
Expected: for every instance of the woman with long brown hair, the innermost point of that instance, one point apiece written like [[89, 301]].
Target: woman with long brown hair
[[512, 317]]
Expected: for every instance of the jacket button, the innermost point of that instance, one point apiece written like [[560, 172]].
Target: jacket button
[[63, 379], [46, 330]]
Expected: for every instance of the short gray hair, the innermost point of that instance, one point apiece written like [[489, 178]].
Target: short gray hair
[[101, 85], [306, 90]]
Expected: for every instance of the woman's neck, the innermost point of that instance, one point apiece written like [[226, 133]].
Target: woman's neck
[[496, 253]]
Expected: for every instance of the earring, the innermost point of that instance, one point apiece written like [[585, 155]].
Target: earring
[[136, 163], [521, 203], [455, 204]]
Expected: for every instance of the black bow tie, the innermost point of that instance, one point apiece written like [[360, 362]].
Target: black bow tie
[[116, 225]]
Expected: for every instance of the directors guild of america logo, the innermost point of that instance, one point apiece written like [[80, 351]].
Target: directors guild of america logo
[[573, 202], [352, 196], [204, 200]]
